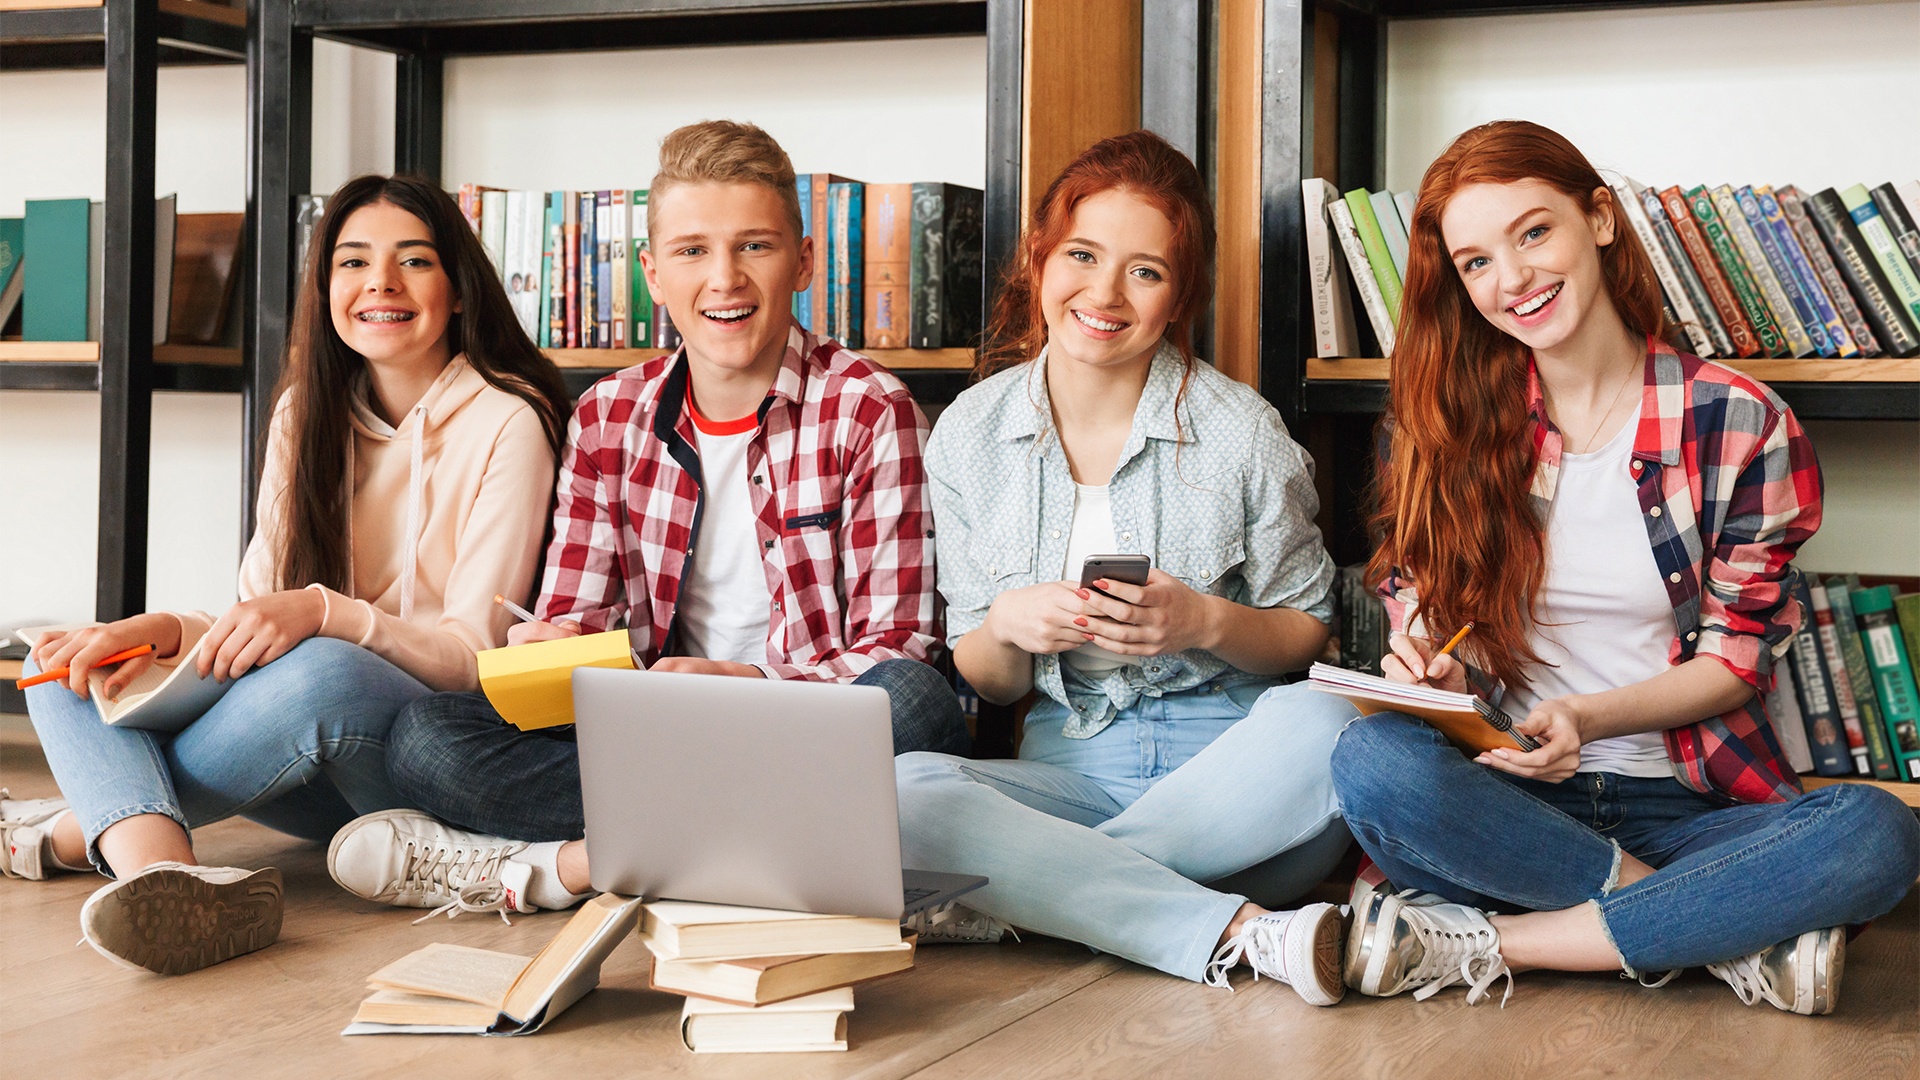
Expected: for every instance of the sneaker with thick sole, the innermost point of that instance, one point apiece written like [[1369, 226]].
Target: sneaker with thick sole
[[957, 924], [409, 859], [1404, 944], [1300, 948], [26, 829], [173, 918], [1799, 975], [1370, 881]]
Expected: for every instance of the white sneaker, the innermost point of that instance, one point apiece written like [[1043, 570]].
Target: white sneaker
[[1300, 948], [1402, 944], [1799, 975], [956, 924], [409, 859], [1370, 881], [173, 918], [26, 828]]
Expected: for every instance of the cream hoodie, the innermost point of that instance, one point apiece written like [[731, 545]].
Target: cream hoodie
[[448, 508]]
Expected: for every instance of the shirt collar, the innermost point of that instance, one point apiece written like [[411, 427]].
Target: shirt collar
[[789, 383], [1662, 407], [1153, 418]]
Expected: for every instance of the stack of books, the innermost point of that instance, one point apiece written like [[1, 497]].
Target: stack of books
[[763, 981], [1748, 271], [1844, 700]]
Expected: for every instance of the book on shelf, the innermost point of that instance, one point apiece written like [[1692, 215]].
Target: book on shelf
[[1387, 214], [764, 980], [1899, 222], [803, 298], [54, 305], [1859, 680], [1794, 256], [1679, 295], [493, 228], [846, 320], [886, 265], [620, 263], [13, 233], [1327, 282], [451, 989], [1719, 288], [1783, 708], [1372, 300], [1822, 260], [1886, 250], [1726, 250], [589, 272], [1885, 647], [603, 269], [1826, 738], [1892, 325], [1906, 607], [815, 1022], [569, 264], [639, 300], [818, 218], [683, 930], [161, 698], [1789, 309], [206, 277], [1843, 700], [470, 198], [1379, 259], [665, 336], [947, 270]]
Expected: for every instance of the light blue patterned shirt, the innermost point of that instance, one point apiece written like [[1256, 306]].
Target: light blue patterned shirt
[[1223, 500]]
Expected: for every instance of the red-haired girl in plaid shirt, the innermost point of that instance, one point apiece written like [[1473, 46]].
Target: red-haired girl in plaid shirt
[[1616, 520]]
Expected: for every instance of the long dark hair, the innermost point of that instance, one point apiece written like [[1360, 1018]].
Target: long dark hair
[[1452, 504], [315, 385]]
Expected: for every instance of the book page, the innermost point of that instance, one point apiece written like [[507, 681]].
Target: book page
[[400, 1007], [162, 698], [481, 976], [569, 966]]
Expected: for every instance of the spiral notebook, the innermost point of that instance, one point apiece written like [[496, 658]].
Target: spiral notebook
[[1471, 723]]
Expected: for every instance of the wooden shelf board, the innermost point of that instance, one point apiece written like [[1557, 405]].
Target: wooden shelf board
[[903, 359], [45, 5], [88, 352], [1771, 371], [1908, 793], [11, 669]]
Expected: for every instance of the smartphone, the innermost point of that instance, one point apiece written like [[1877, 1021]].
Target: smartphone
[[1131, 569]]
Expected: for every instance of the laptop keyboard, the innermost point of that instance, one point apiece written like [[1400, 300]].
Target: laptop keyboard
[[913, 896]]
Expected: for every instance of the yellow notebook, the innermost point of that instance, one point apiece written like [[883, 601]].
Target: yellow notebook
[[531, 685]]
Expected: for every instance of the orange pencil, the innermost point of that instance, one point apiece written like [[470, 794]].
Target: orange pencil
[[1456, 639], [62, 672]]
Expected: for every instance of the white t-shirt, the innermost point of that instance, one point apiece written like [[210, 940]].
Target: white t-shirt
[[723, 606], [1604, 620], [1092, 534]]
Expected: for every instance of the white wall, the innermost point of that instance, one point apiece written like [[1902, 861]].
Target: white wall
[[1813, 94], [881, 111]]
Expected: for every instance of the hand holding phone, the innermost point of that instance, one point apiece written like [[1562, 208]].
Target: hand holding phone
[[1131, 569]]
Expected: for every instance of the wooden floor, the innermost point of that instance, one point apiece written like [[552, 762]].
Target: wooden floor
[[1040, 1009]]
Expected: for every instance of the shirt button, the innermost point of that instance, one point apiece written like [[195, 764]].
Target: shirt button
[[1056, 534], [1674, 577], [769, 545], [1693, 635], [757, 480], [991, 571], [1126, 536], [1636, 466], [1656, 511]]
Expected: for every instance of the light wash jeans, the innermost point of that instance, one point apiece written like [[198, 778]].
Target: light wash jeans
[[298, 745], [1727, 881], [1106, 840]]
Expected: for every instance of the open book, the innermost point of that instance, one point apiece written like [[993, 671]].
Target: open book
[[450, 989], [1471, 723], [161, 699]]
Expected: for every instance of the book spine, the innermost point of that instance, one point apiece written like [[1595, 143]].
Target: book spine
[[1761, 270], [640, 302], [1370, 297], [963, 270], [1387, 216], [1835, 286], [619, 260], [493, 230], [1844, 701], [470, 206], [822, 323], [1378, 258], [571, 271], [1783, 709], [1909, 192], [1906, 608], [1860, 677], [849, 206], [603, 269], [1685, 313], [1333, 329], [1899, 222], [1809, 278], [588, 266], [1696, 290], [888, 225], [924, 246], [1886, 653], [1719, 291], [543, 336], [1895, 331], [1826, 740], [1811, 327], [1886, 250], [803, 299], [1772, 342]]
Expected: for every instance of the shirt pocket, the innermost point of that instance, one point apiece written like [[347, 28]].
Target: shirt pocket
[[810, 534], [1003, 565], [1205, 563]]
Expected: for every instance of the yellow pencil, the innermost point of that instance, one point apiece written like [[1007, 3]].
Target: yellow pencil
[[1457, 639]]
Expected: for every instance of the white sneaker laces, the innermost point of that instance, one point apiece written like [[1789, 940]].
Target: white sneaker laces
[[957, 923], [471, 875], [1749, 983], [1453, 955], [488, 895], [1260, 941]]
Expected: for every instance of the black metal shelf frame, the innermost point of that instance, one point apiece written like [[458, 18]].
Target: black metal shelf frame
[[55, 38]]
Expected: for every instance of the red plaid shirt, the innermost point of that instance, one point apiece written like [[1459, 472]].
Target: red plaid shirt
[[1729, 490], [837, 486]]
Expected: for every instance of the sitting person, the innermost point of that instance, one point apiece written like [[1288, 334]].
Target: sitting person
[[408, 467], [752, 505], [1166, 788], [1616, 519]]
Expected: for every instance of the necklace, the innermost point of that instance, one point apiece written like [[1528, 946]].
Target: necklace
[[1605, 417]]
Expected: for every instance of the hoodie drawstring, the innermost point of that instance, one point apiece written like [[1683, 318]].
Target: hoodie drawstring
[[416, 490]]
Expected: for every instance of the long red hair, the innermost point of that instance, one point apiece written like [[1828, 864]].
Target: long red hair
[[1143, 164], [1452, 508]]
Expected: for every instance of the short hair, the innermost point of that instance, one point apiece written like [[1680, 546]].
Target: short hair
[[724, 152]]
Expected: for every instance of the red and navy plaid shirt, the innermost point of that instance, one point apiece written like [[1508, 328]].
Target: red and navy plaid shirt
[[838, 490], [1729, 490]]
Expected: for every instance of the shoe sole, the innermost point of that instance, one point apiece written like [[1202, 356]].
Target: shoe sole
[[1318, 953], [1368, 957], [172, 922], [1819, 978]]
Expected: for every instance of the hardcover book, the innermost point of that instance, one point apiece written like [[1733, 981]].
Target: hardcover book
[[683, 930], [1804, 272], [569, 267], [1387, 213], [1378, 257], [886, 265], [550, 226], [206, 275], [815, 1022], [764, 980], [820, 221], [1626, 194], [1344, 230], [1829, 274], [602, 269], [1853, 659], [1899, 222], [1891, 324], [803, 299], [1333, 328], [1893, 675], [947, 268], [1755, 260], [1843, 699], [640, 301], [1727, 254], [588, 268], [620, 259], [847, 243], [1800, 306], [13, 233], [493, 228], [1826, 739], [1886, 251], [1712, 278], [54, 303], [1783, 708]]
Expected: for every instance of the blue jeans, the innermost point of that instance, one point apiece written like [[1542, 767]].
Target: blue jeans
[[454, 757], [297, 745], [1107, 840], [1728, 881]]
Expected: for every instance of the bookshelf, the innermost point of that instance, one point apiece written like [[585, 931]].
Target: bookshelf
[[130, 40], [1059, 75]]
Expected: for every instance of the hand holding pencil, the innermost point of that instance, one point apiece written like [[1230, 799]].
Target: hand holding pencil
[[1415, 660], [131, 644]]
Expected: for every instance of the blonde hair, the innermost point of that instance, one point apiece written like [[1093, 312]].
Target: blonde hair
[[724, 152]]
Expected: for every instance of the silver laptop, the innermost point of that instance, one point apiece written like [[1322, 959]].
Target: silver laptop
[[758, 792]]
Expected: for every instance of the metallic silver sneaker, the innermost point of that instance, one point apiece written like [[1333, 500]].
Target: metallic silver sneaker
[[1799, 975], [1406, 942]]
